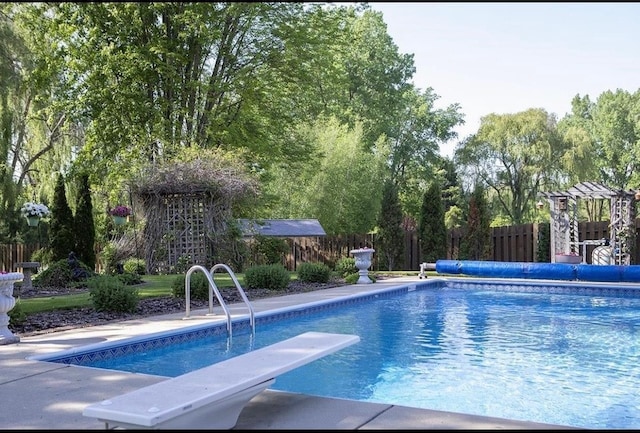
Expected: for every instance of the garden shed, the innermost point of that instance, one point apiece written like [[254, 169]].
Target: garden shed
[[301, 235], [564, 236]]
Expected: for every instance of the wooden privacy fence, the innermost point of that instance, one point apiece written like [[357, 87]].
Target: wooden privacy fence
[[508, 244], [518, 243], [10, 254]]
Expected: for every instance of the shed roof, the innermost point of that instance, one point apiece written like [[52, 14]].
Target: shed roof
[[286, 228]]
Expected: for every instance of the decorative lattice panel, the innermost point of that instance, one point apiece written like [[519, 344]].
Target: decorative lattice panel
[[184, 238], [182, 231]]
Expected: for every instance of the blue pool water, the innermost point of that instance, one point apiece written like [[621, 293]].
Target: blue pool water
[[528, 355]]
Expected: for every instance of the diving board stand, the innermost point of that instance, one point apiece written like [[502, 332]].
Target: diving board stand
[[213, 397]]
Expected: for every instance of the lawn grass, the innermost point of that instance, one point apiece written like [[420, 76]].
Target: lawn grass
[[153, 286]]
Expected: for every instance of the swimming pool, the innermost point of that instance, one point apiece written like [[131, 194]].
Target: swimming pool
[[556, 353]]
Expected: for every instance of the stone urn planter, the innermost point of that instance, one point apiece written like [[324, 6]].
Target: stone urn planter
[[7, 302], [363, 262]]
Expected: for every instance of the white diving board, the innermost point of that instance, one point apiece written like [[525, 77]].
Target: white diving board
[[213, 397]]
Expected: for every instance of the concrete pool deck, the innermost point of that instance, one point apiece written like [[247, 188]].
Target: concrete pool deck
[[44, 395]]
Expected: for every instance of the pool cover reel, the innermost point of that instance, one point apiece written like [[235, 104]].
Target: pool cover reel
[[547, 271]]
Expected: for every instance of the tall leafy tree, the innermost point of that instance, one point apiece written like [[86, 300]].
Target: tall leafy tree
[[341, 187], [62, 230], [514, 155], [35, 127], [376, 75], [432, 233], [603, 138], [451, 193], [390, 239], [84, 225], [415, 140], [155, 77]]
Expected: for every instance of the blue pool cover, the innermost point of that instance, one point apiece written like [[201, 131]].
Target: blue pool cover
[[547, 271]]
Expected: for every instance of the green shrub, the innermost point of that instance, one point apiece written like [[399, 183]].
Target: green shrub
[[346, 266], [313, 272], [108, 293], [129, 279], [109, 259], [135, 266], [198, 286], [270, 250], [43, 255], [353, 278], [272, 277], [59, 274]]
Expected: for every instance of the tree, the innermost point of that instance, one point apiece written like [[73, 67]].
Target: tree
[[340, 184], [414, 141], [604, 139], [390, 239], [432, 233], [476, 242], [543, 253], [514, 155], [451, 193], [84, 224], [62, 228]]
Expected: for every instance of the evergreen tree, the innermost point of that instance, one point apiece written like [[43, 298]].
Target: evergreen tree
[[390, 239], [476, 242], [543, 253], [61, 228], [85, 233], [432, 233]]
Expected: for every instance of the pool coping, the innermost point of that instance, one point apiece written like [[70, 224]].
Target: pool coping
[[46, 395]]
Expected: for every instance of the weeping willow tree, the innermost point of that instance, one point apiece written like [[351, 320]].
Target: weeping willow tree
[[187, 207]]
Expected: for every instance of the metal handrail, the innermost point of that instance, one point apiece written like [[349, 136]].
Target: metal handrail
[[212, 289], [252, 319]]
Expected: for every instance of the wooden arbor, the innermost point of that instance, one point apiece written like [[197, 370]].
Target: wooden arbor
[[564, 220], [187, 208]]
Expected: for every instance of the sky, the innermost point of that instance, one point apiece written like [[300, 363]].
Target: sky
[[505, 58]]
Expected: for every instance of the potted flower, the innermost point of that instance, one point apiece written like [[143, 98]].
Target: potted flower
[[119, 214], [33, 212]]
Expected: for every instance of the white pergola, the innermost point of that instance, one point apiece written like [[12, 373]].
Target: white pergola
[[564, 220]]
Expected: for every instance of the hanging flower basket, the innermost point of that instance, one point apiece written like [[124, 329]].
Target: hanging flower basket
[[120, 214], [33, 212]]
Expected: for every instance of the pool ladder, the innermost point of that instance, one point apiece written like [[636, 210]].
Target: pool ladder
[[213, 289]]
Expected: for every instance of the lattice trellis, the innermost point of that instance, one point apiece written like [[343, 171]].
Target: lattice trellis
[[183, 230]]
